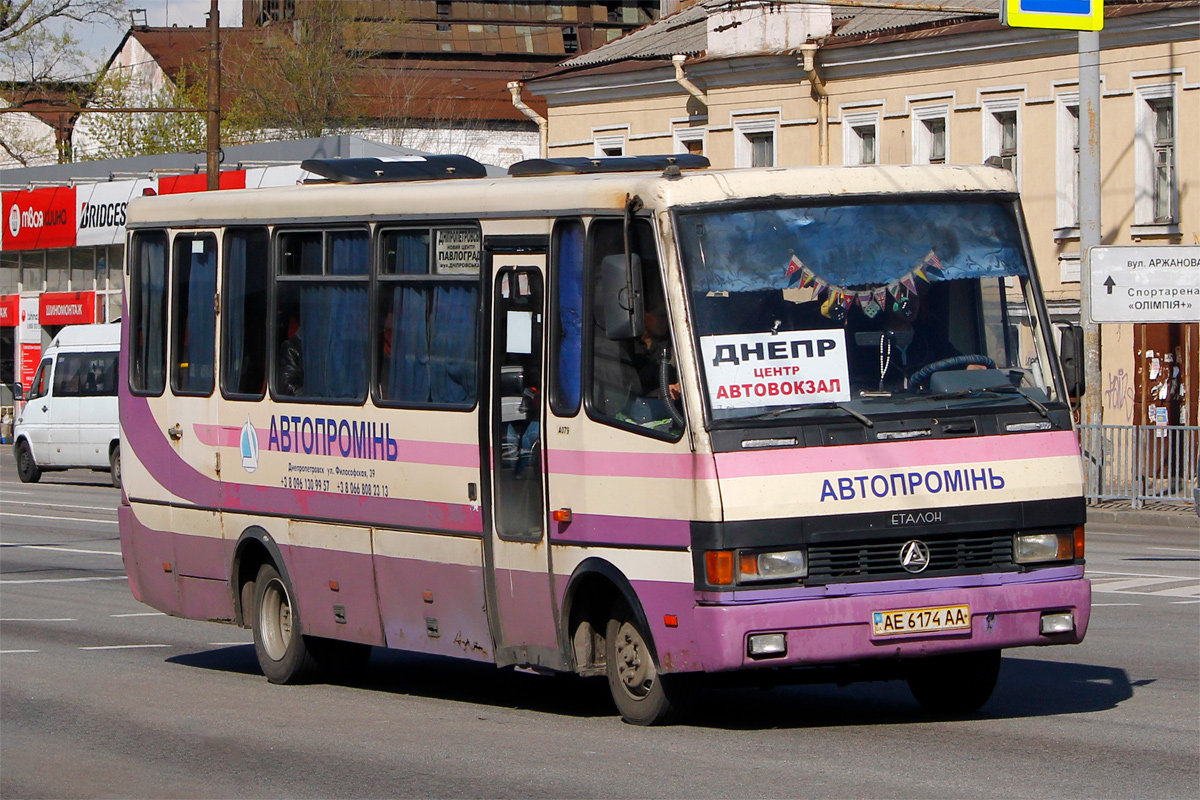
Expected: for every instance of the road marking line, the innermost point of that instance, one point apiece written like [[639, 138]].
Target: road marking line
[[29, 619], [64, 580], [80, 508], [1176, 549], [1185, 591], [1184, 602], [228, 644], [67, 519], [1137, 583], [1113, 605], [1115, 535], [56, 548], [124, 646], [141, 614], [1091, 572], [10, 652]]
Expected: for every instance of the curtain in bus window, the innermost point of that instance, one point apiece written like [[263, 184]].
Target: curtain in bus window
[[244, 339], [570, 316], [409, 368], [333, 324], [148, 367], [235, 312], [452, 345], [200, 332]]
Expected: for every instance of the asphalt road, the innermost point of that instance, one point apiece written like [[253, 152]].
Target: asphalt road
[[102, 697]]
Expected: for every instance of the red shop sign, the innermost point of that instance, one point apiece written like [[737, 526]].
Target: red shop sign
[[10, 313], [39, 219], [67, 308], [180, 184]]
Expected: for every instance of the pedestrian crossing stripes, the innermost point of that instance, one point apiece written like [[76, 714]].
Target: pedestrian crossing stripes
[[1165, 586]]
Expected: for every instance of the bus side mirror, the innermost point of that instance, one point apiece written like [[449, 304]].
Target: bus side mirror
[[1071, 353], [621, 296]]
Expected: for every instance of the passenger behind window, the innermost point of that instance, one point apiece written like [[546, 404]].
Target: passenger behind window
[[290, 360]]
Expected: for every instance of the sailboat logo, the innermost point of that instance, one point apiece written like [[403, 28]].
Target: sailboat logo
[[249, 445]]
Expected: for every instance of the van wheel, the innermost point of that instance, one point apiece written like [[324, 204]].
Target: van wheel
[[114, 465], [27, 469], [640, 692], [280, 647]]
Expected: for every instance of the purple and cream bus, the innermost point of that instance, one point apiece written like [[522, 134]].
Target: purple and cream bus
[[627, 417]]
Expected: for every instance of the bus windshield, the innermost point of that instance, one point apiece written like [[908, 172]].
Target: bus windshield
[[866, 307]]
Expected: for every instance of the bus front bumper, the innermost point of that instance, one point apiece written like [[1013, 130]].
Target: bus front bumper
[[830, 630]]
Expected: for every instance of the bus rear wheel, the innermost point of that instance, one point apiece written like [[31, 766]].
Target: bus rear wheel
[[641, 693], [281, 648], [27, 469], [114, 465], [954, 684]]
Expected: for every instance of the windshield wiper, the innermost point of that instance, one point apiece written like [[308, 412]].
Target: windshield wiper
[[995, 390], [858, 415]]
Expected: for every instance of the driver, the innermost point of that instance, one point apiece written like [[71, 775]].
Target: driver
[[910, 342]]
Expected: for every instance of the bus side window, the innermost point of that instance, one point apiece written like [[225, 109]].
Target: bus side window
[[147, 292], [426, 316], [627, 372], [321, 315], [566, 332], [193, 314], [244, 313]]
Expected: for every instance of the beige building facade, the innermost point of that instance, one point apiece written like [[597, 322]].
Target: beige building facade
[[762, 84]]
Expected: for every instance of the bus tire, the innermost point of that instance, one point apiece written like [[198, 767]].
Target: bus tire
[[114, 465], [278, 643], [954, 684], [27, 468], [640, 692]]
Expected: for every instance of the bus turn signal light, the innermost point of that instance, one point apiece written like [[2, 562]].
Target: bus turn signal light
[[718, 567], [1079, 542]]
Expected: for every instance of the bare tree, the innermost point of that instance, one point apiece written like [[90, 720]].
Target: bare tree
[[43, 68], [299, 79]]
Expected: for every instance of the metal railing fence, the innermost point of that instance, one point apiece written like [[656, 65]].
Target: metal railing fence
[[1140, 463]]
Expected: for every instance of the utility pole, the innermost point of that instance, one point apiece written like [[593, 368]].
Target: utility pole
[[1089, 216], [214, 97]]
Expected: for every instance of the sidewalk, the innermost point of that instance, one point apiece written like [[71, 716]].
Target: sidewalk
[[1169, 515]]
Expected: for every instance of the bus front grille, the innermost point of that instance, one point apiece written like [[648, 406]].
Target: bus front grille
[[881, 559]]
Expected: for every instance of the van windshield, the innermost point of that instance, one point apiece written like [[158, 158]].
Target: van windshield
[[876, 307]]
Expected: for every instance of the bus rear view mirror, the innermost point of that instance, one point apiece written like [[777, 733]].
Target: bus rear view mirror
[[18, 391], [621, 296], [1071, 353]]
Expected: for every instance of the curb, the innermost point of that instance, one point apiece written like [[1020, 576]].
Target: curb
[[1165, 519]]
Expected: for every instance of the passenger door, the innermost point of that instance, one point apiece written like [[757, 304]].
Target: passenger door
[[523, 612], [65, 401]]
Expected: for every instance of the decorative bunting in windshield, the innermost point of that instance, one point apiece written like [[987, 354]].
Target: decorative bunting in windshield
[[871, 301]]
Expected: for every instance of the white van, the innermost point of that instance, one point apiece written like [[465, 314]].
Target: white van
[[69, 418]]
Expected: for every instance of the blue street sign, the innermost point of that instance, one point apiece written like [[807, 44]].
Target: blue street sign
[[1070, 15]]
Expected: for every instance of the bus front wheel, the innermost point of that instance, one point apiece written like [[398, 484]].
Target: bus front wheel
[[954, 684], [281, 649], [641, 693]]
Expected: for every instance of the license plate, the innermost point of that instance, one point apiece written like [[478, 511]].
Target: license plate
[[921, 620]]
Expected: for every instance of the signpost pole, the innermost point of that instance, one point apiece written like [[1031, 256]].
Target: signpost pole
[[1089, 215]]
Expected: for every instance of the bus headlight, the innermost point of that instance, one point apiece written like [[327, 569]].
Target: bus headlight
[[781, 565], [1031, 548]]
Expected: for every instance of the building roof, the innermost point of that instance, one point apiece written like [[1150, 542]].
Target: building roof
[[425, 87]]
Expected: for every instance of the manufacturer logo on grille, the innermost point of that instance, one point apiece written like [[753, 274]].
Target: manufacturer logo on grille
[[914, 555]]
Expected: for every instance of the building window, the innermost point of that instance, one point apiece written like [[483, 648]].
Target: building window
[[1001, 133], [689, 140], [610, 145], [1067, 166], [755, 143], [1155, 200], [931, 136], [860, 139], [1164, 160]]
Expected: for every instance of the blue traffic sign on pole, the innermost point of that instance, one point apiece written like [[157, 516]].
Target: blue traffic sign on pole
[[1070, 15]]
